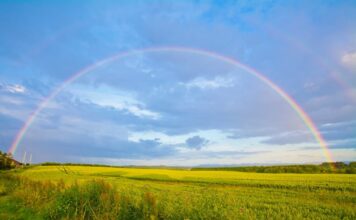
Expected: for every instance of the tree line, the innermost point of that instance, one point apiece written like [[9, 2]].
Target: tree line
[[334, 167], [6, 161]]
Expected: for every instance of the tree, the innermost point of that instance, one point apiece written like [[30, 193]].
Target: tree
[[6, 161]]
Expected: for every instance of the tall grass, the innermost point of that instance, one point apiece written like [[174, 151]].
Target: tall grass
[[95, 199]]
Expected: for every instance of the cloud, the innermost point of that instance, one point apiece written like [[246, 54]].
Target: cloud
[[15, 103], [349, 60], [336, 144], [120, 100], [139, 112], [88, 144], [347, 145], [330, 106], [215, 83], [196, 142], [13, 88], [294, 137], [331, 132], [339, 130], [174, 93]]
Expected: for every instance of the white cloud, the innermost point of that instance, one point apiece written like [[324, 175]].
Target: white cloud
[[311, 86], [338, 124], [349, 60], [132, 106], [217, 82], [140, 112], [13, 88], [123, 101]]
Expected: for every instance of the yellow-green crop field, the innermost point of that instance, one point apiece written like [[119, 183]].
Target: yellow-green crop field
[[84, 192]]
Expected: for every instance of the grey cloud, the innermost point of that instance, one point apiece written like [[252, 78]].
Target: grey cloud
[[290, 138], [339, 131], [92, 145], [331, 132], [336, 144], [196, 142]]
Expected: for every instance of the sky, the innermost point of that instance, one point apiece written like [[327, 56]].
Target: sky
[[185, 107]]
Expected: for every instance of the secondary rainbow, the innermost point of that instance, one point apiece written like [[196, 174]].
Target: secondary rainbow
[[292, 103]]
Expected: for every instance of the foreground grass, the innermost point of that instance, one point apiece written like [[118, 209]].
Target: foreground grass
[[57, 192]]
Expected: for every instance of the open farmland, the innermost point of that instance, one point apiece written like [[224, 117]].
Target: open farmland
[[137, 193]]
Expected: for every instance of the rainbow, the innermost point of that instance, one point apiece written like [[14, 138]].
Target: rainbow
[[292, 103]]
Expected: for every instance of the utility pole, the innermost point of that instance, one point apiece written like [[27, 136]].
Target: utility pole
[[24, 159], [30, 161]]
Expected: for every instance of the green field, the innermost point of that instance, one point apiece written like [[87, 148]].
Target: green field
[[82, 192]]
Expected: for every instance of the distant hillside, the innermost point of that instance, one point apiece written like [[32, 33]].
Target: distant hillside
[[337, 167]]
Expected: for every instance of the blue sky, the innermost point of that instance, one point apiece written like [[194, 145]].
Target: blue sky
[[176, 108]]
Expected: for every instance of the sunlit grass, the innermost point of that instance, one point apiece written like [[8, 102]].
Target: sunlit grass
[[181, 194], [329, 181]]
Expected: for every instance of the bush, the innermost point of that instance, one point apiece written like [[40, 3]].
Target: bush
[[6, 161]]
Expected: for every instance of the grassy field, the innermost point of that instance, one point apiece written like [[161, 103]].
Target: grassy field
[[79, 192]]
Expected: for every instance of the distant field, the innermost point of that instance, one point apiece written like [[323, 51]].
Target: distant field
[[176, 194]]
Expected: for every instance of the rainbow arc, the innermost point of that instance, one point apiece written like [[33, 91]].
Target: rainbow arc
[[291, 102]]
